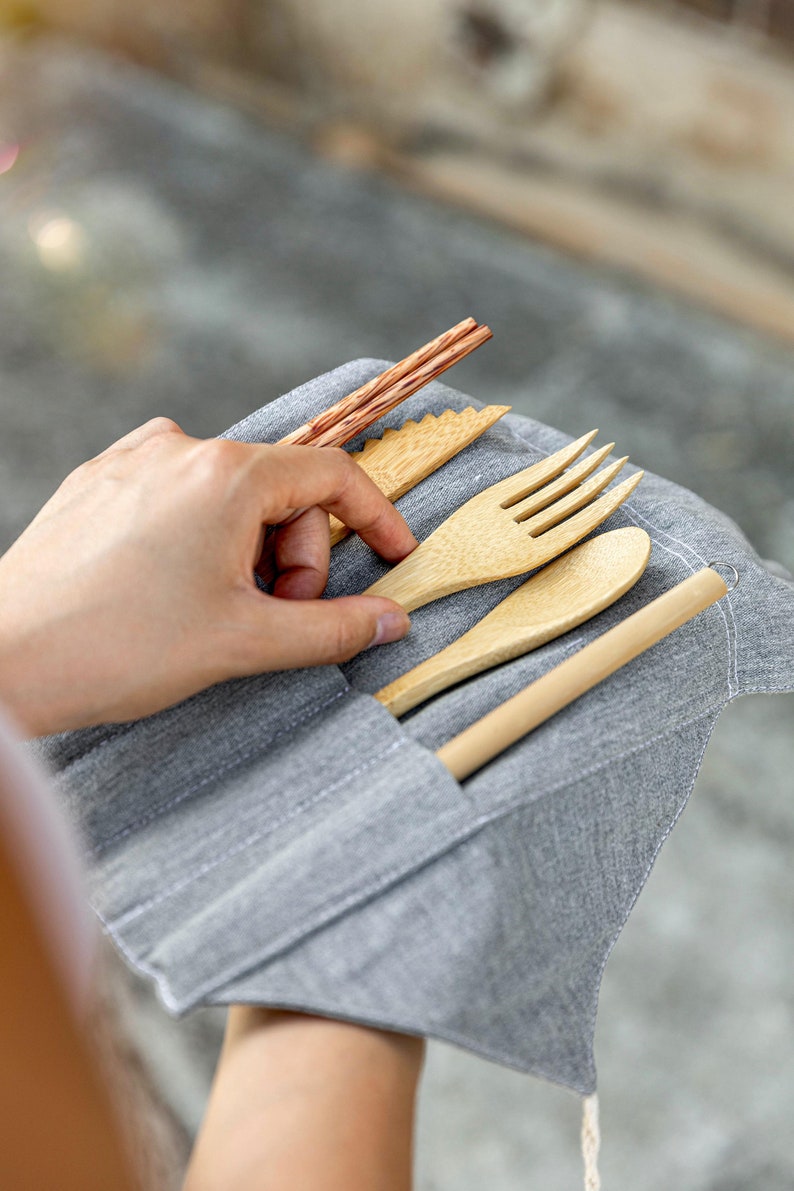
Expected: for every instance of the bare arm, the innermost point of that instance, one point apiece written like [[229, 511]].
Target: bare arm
[[303, 1103]]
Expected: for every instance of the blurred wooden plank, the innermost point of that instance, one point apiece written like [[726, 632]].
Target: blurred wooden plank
[[666, 150], [677, 251]]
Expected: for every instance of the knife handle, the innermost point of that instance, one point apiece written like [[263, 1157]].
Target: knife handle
[[484, 740]]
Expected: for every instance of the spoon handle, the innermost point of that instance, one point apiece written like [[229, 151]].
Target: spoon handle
[[481, 648]]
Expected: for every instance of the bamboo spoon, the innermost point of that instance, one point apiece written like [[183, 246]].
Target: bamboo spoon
[[483, 741], [560, 596]]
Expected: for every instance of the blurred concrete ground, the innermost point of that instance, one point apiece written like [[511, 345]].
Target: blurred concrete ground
[[161, 254]]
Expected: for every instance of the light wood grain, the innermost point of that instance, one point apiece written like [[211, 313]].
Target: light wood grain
[[483, 741], [562, 595], [486, 539], [403, 457]]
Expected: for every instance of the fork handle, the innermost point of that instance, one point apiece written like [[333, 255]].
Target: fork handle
[[506, 724], [423, 576]]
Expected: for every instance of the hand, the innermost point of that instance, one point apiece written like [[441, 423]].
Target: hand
[[133, 587]]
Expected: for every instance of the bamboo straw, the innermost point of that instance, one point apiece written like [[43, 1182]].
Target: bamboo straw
[[506, 724], [354, 413]]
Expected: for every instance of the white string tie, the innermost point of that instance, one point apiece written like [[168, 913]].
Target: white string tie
[[591, 1142]]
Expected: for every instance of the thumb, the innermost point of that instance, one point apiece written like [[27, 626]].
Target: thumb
[[295, 633]]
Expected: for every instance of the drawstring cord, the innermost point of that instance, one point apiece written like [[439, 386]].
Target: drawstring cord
[[591, 1142]]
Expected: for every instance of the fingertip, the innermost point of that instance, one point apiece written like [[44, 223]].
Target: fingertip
[[406, 544], [391, 626]]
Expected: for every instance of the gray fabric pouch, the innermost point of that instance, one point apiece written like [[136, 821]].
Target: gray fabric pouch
[[283, 840]]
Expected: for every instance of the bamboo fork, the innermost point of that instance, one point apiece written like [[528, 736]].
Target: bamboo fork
[[484, 740], [513, 526]]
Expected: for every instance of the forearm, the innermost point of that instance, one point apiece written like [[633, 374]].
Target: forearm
[[304, 1103]]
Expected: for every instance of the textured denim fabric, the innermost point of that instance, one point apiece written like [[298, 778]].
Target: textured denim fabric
[[283, 840]]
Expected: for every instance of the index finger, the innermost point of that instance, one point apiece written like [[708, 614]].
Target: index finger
[[291, 478]]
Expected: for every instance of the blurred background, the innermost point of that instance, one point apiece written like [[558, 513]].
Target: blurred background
[[203, 204]]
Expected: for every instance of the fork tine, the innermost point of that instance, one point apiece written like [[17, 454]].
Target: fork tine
[[577, 499], [556, 540], [516, 487], [567, 481]]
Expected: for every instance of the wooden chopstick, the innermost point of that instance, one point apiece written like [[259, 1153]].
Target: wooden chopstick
[[354, 413]]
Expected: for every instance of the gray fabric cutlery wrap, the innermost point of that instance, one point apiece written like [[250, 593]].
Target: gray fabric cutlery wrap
[[283, 840]]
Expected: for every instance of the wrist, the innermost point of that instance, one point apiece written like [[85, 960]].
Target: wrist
[[30, 691]]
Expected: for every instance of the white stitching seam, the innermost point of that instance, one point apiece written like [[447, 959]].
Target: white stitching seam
[[633, 514]]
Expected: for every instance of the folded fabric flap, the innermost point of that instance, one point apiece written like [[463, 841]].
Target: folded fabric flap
[[285, 807], [763, 612], [358, 825], [500, 944], [282, 839]]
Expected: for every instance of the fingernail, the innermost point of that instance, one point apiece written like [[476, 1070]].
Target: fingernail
[[391, 627]]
